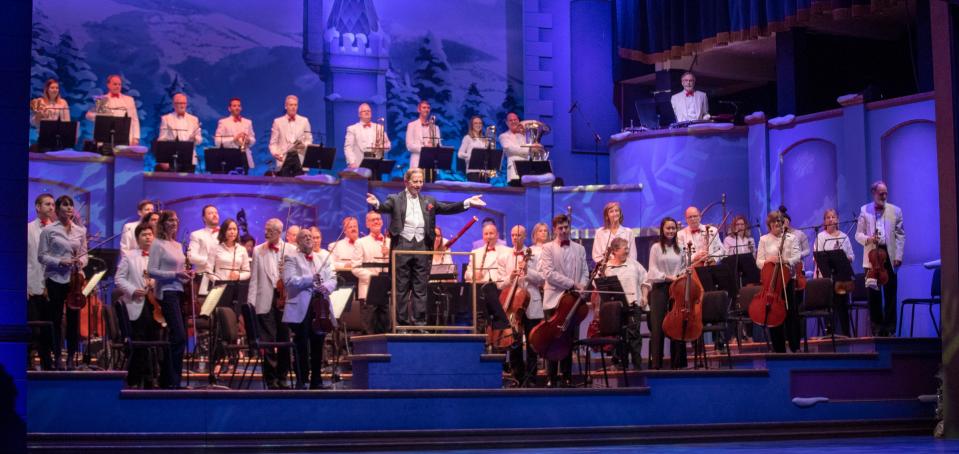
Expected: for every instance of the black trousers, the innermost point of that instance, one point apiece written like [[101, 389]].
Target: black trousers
[[659, 305], [840, 306], [565, 366], [56, 304], [882, 302], [532, 360], [38, 308], [412, 277], [276, 362], [172, 367], [308, 351], [489, 310], [142, 360], [791, 329], [632, 333]]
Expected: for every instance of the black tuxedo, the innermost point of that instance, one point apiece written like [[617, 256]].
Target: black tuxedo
[[413, 271]]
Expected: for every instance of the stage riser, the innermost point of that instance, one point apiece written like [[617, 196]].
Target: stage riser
[[424, 362]]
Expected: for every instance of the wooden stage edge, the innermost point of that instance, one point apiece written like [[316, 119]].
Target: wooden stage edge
[[424, 440]]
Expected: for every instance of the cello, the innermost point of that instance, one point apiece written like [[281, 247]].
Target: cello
[[684, 321], [768, 307], [553, 338], [595, 301], [514, 299], [877, 257]]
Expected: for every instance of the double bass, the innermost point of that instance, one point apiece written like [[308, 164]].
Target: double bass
[[768, 307], [684, 321], [877, 257]]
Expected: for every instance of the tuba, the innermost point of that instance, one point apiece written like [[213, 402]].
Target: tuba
[[100, 104], [534, 131]]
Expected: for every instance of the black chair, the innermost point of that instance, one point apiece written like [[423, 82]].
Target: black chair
[[226, 331], [818, 304], [739, 313], [611, 333], [113, 339], [122, 319], [716, 321], [256, 346], [935, 298], [858, 302]]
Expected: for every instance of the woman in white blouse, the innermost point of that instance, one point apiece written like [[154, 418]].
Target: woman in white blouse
[[830, 239], [612, 228], [439, 247], [740, 239], [473, 139], [50, 106], [665, 266], [230, 263], [774, 249]]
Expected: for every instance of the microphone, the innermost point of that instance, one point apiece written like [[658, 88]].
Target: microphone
[[573, 106]]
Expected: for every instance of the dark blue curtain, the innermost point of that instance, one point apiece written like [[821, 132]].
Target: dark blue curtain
[[656, 30]]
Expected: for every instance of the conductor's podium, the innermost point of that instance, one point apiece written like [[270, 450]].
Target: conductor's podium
[[424, 361]]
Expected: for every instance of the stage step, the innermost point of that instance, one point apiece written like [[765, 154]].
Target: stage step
[[424, 361]]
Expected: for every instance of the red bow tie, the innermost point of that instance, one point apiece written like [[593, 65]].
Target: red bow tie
[[291, 119], [689, 94], [352, 242], [518, 253], [215, 229], [490, 248], [309, 257], [237, 119], [564, 243], [366, 125], [45, 222], [145, 253], [378, 237], [695, 230], [274, 247], [114, 95]]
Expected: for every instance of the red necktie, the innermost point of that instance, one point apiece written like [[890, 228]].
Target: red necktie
[[689, 94], [145, 253], [564, 243]]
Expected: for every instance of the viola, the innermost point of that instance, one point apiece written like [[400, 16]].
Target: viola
[[684, 321], [800, 277], [768, 307]]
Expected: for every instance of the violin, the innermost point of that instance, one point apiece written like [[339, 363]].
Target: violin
[[684, 321], [280, 290], [768, 307], [75, 299], [323, 319], [151, 299], [514, 299], [877, 258]]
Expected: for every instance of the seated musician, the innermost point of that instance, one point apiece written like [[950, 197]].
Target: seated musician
[[439, 247], [235, 131], [133, 283], [515, 147], [116, 104], [266, 273], [230, 264], [306, 274], [631, 275], [486, 271], [769, 251], [344, 250], [372, 248], [690, 104], [517, 267], [289, 137], [364, 137]]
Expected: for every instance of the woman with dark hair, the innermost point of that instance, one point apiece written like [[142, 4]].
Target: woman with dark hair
[[62, 248], [230, 263], [665, 266], [167, 266]]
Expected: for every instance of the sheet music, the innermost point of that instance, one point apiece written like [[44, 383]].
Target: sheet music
[[92, 283], [212, 298], [339, 298]]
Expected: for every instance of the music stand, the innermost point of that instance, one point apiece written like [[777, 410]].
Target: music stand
[[610, 284], [379, 167], [528, 167], [179, 155], [834, 264], [56, 135], [485, 159], [715, 277], [111, 131], [319, 157], [225, 160], [435, 158]]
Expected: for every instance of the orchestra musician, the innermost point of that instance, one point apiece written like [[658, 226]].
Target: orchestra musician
[[540, 236], [50, 106], [133, 283], [363, 137], [63, 246], [305, 274], [704, 238], [690, 104], [38, 305], [128, 240], [473, 139], [167, 266], [665, 266], [204, 241], [412, 218], [768, 251], [265, 274], [291, 233], [372, 248], [515, 147], [421, 132], [740, 239], [180, 126], [480, 242], [117, 104], [235, 131], [563, 266], [880, 227], [515, 267], [631, 276], [486, 269], [289, 137], [831, 238], [439, 247], [612, 228], [317, 238], [346, 249], [230, 264]]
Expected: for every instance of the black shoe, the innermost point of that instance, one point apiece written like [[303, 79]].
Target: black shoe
[[70, 365], [301, 386], [567, 382], [551, 383]]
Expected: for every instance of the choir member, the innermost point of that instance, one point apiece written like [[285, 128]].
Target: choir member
[[128, 240], [345, 249], [167, 266], [631, 276], [364, 136], [517, 267], [116, 104], [740, 239], [38, 305], [235, 131], [473, 139], [203, 241], [880, 227], [612, 228], [62, 248], [49, 107], [690, 104], [769, 251], [306, 275], [665, 266], [563, 266], [229, 263], [421, 132], [412, 218], [831, 238], [289, 137], [266, 273], [704, 238], [180, 126], [133, 284]]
